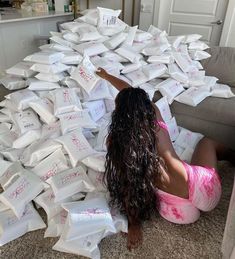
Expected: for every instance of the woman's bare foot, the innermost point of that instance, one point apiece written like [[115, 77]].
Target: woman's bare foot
[[134, 237]]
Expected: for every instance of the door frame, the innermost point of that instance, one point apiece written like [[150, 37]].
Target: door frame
[[228, 33]]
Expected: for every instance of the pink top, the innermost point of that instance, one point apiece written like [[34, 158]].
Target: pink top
[[161, 124]]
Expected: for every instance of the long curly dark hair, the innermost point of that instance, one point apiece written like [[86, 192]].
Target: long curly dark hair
[[132, 161]]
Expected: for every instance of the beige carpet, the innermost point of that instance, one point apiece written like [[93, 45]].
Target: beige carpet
[[161, 239]]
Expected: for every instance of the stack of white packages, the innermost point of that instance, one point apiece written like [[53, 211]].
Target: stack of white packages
[[53, 131]]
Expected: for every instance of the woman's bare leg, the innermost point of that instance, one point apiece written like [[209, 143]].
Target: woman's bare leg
[[208, 152]]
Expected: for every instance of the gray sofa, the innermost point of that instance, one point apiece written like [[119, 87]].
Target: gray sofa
[[214, 117]]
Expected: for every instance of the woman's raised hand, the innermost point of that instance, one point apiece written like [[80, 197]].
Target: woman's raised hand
[[102, 73]]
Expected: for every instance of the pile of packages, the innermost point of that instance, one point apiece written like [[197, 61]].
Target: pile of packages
[[53, 130]]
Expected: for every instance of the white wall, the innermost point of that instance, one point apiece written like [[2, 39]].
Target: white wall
[[228, 33], [116, 4], [18, 39]]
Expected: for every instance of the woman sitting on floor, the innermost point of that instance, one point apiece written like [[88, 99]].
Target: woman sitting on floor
[[143, 171]]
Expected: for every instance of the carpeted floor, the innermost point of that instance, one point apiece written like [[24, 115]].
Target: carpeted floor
[[162, 240]]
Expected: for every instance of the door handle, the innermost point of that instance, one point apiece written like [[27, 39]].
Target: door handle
[[219, 22]]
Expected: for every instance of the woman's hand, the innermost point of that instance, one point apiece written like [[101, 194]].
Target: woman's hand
[[102, 73]]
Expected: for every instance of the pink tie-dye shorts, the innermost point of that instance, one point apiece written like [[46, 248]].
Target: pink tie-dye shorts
[[204, 194]]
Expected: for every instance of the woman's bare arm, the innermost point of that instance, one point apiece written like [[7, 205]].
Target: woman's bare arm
[[116, 82]]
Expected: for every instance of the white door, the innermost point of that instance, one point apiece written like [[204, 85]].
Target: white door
[[204, 17]]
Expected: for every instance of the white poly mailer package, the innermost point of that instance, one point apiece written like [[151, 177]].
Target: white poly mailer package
[[21, 69], [88, 33], [44, 108], [91, 48], [193, 96], [51, 131], [107, 17], [3, 207], [90, 17], [73, 120], [101, 91], [176, 73], [179, 150], [61, 41], [86, 246], [13, 82], [130, 67], [26, 139], [11, 227], [188, 138], [33, 154], [88, 217], [72, 26], [95, 162], [115, 41], [8, 171], [170, 88], [164, 109], [154, 70], [192, 38], [39, 85], [26, 120], [56, 224], [70, 182], [66, 100], [51, 165], [47, 201], [102, 136], [221, 90], [187, 154], [11, 154], [45, 68], [199, 54], [165, 58], [129, 53], [23, 190], [196, 78], [71, 37], [114, 57], [55, 47], [52, 78], [137, 77], [85, 75], [175, 41], [157, 47], [7, 138], [182, 61], [130, 36], [96, 109], [45, 57], [76, 146], [173, 129], [97, 179], [22, 98], [198, 45], [71, 58]]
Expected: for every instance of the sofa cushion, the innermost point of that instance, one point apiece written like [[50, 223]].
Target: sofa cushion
[[221, 64]]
